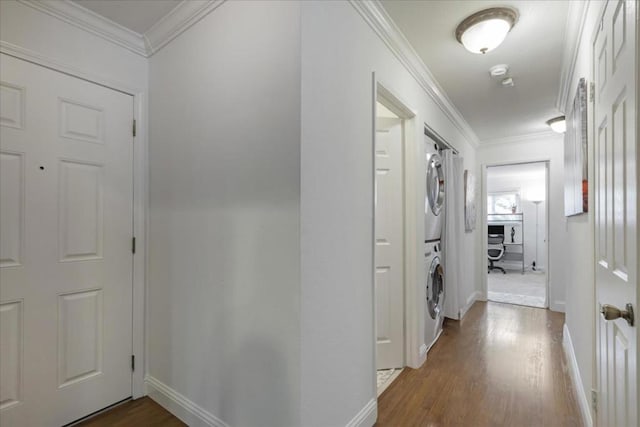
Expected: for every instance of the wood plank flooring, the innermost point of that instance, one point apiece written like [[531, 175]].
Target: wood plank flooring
[[142, 412], [502, 365]]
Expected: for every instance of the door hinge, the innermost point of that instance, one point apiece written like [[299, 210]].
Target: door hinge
[[133, 245], [592, 90], [134, 127], [133, 362], [594, 400]]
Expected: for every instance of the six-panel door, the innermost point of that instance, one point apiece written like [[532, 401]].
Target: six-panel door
[[66, 209]]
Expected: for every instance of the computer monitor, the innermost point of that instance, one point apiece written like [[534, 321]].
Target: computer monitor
[[496, 229]]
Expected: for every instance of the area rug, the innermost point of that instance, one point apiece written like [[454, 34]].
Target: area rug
[[517, 288]]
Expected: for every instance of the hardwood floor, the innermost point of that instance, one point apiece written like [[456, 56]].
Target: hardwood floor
[[142, 412], [502, 365]]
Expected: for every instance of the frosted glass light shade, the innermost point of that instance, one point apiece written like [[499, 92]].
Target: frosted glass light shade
[[485, 36], [485, 30], [558, 124]]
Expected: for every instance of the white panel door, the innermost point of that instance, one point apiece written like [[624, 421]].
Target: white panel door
[[66, 205], [389, 244], [615, 138]]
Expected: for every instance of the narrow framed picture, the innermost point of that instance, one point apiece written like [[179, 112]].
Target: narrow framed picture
[[469, 201], [576, 186]]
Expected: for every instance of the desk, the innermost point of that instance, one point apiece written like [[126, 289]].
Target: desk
[[512, 227]]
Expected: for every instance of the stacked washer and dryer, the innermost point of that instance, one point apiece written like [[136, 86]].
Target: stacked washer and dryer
[[433, 224]]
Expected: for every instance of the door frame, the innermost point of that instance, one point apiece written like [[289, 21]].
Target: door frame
[[413, 350], [140, 196], [483, 221]]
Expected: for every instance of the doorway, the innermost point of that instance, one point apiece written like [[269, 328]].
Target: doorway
[[389, 244], [517, 234], [395, 244]]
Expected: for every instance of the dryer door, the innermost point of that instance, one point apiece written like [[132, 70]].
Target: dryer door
[[435, 184], [435, 288]]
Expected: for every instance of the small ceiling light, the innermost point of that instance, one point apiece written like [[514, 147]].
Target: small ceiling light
[[507, 82], [485, 30], [558, 124], [499, 70]]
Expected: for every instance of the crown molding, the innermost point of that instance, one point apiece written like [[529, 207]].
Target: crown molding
[[178, 20], [377, 18], [183, 16], [83, 18], [574, 28], [528, 137], [48, 62]]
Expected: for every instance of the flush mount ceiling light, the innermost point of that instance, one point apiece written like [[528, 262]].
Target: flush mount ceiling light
[[485, 30], [558, 124]]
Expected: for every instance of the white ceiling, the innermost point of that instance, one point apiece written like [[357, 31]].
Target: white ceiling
[[533, 50], [136, 15]]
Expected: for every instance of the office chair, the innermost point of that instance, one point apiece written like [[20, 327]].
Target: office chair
[[495, 251]]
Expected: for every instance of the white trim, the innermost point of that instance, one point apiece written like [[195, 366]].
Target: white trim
[[574, 373], [422, 353], [180, 406], [140, 201], [411, 318], [381, 23], [432, 343], [178, 20], [557, 305], [396, 105], [140, 261], [470, 301], [536, 136], [484, 282], [574, 28], [367, 415], [48, 62], [374, 337], [174, 23], [81, 17]]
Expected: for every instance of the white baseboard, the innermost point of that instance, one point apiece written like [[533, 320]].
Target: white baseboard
[[557, 306], [180, 406], [473, 298], [367, 415], [422, 355], [574, 372], [196, 416]]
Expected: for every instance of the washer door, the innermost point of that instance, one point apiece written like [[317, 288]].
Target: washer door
[[435, 184], [435, 288]]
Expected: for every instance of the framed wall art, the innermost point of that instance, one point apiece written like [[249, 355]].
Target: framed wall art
[[576, 184], [469, 201]]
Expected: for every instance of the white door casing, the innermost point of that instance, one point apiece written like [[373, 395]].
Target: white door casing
[[389, 243], [614, 131], [66, 206]]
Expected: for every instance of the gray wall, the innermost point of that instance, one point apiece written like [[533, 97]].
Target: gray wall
[[224, 242], [339, 54]]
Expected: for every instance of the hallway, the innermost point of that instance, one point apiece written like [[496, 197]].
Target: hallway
[[502, 365], [201, 222]]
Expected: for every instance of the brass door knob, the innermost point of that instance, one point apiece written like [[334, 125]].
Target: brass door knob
[[610, 312]]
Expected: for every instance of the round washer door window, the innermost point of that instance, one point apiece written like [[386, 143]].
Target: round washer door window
[[435, 184], [435, 288]]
